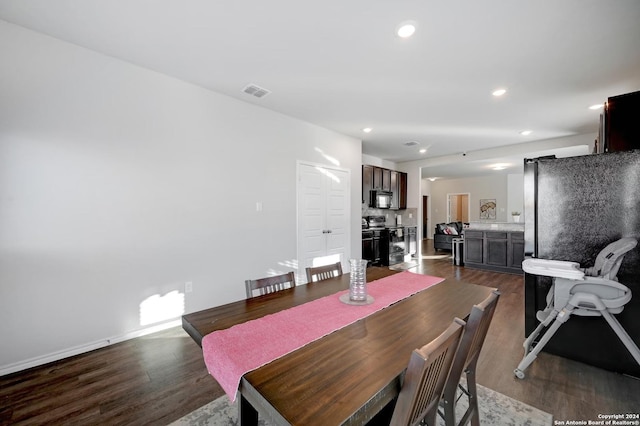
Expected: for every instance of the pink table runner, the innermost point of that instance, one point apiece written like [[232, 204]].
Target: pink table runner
[[231, 353]]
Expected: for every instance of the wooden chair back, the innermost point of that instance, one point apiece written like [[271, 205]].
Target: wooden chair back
[[466, 361], [425, 378], [270, 284], [319, 273]]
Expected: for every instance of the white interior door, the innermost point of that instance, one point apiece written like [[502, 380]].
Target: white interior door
[[323, 216], [336, 212], [311, 219]]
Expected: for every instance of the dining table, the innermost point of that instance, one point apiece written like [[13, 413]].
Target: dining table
[[346, 376]]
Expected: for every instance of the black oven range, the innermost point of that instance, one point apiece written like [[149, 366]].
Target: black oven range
[[382, 245]]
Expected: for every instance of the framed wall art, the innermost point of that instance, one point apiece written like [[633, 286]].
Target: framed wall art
[[488, 209]]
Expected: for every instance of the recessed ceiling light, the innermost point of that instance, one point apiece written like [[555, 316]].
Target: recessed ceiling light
[[596, 106], [406, 29], [526, 132], [499, 92], [367, 129], [499, 166], [432, 179], [423, 150]]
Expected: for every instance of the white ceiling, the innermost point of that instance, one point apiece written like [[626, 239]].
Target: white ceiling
[[339, 64], [512, 164]]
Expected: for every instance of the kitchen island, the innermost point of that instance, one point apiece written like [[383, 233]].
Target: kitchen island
[[496, 246]]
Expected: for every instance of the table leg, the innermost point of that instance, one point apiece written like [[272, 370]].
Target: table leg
[[247, 415]]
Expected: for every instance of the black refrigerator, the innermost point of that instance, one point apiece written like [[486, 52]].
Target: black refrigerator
[[574, 207]]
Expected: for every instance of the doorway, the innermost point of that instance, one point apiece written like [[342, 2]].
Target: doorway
[[425, 217], [458, 207]]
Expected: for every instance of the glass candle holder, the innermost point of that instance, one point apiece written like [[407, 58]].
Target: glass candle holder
[[358, 280]]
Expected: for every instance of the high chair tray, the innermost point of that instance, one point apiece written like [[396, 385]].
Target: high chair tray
[[553, 268]]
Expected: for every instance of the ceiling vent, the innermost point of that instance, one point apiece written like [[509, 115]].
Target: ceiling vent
[[411, 143], [255, 90]]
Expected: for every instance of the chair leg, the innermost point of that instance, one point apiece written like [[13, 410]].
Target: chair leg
[[430, 418], [449, 405], [473, 398]]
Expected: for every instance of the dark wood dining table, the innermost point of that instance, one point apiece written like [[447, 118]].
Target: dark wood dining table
[[349, 375]]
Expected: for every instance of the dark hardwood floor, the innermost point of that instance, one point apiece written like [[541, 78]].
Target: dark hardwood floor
[[151, 380], [159, 378]]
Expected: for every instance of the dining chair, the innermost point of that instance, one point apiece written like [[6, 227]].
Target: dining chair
[[270, 284], [425, 378], [319, 273], [465, 361]]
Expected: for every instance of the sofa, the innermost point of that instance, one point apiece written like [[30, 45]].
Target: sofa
[[445, 233]]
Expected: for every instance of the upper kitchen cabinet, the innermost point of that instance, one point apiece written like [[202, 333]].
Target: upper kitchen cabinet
[[376, 178], [385, 180], [367, 183], [621, 117], [402, 190], [399, 189], [379, 178]]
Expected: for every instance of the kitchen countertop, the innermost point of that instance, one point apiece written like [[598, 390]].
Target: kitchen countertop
[[496, 226]]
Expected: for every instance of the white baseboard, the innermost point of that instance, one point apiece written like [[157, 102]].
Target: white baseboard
[[77, 350]]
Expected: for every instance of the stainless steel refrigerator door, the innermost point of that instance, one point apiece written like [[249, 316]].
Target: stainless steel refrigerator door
[[581, 204]]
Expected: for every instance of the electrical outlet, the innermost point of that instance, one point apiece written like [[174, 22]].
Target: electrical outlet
[[188, 287], [410, 215]]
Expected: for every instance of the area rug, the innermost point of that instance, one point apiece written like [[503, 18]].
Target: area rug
[[496, 409], [403, 266], [437, 256]]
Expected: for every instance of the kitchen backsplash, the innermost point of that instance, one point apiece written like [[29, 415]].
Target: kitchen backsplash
[[408, 217]]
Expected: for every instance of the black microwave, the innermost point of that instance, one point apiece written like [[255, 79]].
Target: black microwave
[[380, 199]]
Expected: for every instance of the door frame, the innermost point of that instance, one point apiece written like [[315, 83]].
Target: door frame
[[425, 217], [468, 194]]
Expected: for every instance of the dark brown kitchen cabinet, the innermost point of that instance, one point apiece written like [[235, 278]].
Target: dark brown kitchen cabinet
[[395, 205], [386, 180], [367, 182], [621, 114], [402, 190], [368, 252], [379, 178], [375, 246], [497, 251], [399, 189]]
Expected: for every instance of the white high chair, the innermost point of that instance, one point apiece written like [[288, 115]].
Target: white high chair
[[586, 292]]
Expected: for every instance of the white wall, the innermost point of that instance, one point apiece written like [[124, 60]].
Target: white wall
[[118, 185], [480, 187], [378, 162], [515, 190]]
